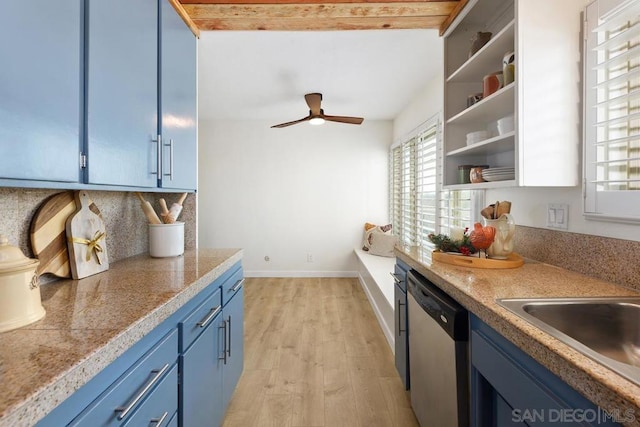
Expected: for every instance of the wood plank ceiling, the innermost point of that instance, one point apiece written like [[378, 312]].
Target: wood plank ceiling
[[323, 15]]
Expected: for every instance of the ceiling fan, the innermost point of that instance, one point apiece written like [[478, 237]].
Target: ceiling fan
[[316, 114]]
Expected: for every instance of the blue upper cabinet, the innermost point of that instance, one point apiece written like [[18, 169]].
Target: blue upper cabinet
[[40, 90], [122, 92], [178, 86]]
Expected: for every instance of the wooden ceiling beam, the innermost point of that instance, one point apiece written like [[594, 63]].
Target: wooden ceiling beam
[[320, 16]]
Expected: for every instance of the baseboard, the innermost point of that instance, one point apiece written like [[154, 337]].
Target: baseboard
[[300, 273]]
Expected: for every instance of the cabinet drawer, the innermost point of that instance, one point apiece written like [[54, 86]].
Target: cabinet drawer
[[161, 404], [231, 286], [128, 393], [199, 319]]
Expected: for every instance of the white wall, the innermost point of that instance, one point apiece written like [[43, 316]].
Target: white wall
[[427, 102], [285, 193]]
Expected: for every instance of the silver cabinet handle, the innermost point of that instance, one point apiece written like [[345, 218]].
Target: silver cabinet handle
[[124, 410], [158, 142], [170, 145], [236, 286], [400, 330], [224, 338], [396, 277], [204, 322], [158, 421], [229, 335]]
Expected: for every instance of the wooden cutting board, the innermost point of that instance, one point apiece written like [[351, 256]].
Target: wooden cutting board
[[48, 234], [86, 239]]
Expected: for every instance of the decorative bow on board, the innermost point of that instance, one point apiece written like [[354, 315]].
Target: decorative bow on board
[[93, 245]]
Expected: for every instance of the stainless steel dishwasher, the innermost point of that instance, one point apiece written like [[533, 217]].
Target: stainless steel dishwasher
[[438, 354]]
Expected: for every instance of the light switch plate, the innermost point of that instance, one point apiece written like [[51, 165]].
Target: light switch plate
[[558, 216]]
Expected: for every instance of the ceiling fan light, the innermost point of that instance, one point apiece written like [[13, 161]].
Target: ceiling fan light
[[316, 121]]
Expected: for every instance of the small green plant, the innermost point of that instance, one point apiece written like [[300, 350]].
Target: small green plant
[[445, 244]]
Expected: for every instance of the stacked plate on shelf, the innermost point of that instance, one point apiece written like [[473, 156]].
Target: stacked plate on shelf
[[498, 174]]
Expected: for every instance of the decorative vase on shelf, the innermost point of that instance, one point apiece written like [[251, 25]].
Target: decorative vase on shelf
[[502, 245]]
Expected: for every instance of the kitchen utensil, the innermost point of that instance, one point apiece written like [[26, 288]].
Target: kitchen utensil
[[477, 136], [502, 245], [176, 208], [478, 40], [151, 215], [164, 212], [491, 83], [166, 240], [20, 302], [474, 99], [48, 234], [475, 174], [508, 67], [505, 124], [463, 174], [86, 240]]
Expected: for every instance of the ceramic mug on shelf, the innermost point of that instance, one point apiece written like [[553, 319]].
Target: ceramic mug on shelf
[[492, 83]]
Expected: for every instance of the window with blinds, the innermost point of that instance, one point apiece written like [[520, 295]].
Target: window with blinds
[[612, 110], [417, 204]]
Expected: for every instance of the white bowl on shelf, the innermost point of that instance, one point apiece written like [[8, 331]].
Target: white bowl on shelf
[[505, 125], [481, 135]]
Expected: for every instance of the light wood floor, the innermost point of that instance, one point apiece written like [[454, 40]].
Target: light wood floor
[[315, 356]]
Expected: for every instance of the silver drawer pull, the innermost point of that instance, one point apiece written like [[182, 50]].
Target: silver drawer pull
[[236, 286], [158, 421], [124, 411], [396, 277], [204, 322]]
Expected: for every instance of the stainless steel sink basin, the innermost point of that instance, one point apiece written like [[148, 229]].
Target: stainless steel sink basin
[[605, 329]]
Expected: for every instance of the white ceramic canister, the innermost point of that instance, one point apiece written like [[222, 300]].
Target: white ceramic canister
[[166, 240], [20, 302], [502, 245]]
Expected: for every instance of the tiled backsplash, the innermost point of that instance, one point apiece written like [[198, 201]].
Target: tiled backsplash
[[613, 260], [127, 231]]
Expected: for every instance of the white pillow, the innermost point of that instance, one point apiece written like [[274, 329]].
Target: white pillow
[[382, 244]]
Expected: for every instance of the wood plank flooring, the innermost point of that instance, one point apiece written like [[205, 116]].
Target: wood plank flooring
[[315, 356]]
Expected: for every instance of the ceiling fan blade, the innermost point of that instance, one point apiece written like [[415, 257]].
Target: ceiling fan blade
[[344, 119], [284, 125], [313, 101]]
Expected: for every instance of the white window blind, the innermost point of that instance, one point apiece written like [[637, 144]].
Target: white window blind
[[612, 110], [426, 182], [417, 204]]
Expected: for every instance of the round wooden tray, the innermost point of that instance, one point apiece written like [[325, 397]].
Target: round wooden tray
[[513, 261]]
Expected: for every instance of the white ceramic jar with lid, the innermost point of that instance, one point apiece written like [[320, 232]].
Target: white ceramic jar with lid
[[20, 302]]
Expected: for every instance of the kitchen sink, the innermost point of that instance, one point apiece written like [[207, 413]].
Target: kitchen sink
[[605, 329]]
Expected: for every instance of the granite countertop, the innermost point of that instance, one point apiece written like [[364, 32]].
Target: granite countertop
[[90, 322], [477, 289]]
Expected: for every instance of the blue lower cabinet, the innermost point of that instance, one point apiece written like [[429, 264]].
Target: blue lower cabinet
[[148, 387], [201, 365], [158, 408], [234, 346], [401, 322], [509, 388]]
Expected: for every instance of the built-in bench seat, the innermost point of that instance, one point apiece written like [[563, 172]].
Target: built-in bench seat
[[375, 277]]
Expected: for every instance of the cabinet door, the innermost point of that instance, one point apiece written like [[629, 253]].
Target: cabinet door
[[202, 378], [40, 89], [122, 92], [177, 100], [401, 343], [233, 314]]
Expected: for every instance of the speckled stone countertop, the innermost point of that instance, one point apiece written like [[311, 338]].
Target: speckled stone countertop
[[477, 289], [90, 322]]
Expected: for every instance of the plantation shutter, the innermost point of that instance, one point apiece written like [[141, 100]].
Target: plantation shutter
[[612, 110]]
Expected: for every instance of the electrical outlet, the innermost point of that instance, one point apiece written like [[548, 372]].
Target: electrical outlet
[[309, 257], [558, 215]]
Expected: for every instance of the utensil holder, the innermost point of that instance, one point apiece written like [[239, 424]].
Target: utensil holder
[[166, 240]]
